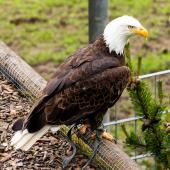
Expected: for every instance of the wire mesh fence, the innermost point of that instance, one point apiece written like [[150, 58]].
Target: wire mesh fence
[[133, 120], [10, 65]]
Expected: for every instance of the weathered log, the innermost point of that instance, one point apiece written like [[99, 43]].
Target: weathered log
[[109, 155]]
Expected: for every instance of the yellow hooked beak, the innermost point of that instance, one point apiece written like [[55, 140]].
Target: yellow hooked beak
[[140, 31]]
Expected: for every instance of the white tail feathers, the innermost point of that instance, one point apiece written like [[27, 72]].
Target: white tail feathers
[[24, 140]]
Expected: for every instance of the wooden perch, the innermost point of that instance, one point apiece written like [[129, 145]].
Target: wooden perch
[[109, 155]]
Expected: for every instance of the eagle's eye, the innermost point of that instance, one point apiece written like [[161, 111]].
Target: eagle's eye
[[131, 27]]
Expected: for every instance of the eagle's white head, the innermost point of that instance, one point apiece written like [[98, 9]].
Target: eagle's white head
[[118, 31]]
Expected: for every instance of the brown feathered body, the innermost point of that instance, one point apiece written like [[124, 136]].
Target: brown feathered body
[[84, 86]]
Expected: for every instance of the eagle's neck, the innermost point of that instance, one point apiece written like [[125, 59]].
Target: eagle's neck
[[100, 44]]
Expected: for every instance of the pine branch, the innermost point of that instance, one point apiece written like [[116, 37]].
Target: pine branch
[[139, 65], [146, 105], [160, 92], [132, 139], [128, 58]]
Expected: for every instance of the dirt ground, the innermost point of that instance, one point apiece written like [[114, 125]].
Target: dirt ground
[[46, 154]]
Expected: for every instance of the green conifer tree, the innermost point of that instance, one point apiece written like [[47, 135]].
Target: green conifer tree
[[154, 138]]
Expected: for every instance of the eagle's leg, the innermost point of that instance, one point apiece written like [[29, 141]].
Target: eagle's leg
[[84, 128], [68, 159], [96, 124]]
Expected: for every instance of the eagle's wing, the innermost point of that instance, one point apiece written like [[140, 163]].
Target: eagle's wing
[[75, 68], [78, 67], [87, 97], [84, 66]]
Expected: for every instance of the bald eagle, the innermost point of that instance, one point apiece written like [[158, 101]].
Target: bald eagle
[[84, 86]]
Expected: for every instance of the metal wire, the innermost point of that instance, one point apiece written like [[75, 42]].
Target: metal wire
[[141, 156], [130, 119], [159, 73]]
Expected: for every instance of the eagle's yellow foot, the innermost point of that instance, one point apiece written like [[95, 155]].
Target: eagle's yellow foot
[[107, 136], [133, 81], [93, 136], [83, 128], [130, 81], [104, 135], [136, 79]]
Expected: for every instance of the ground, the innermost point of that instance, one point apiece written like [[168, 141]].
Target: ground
[[46, 154], [46, 33]]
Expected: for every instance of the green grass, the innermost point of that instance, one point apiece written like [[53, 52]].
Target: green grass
[[62, 27], [60, 30]]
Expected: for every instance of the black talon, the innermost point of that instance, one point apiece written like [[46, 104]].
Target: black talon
[[96, 146], [68, 159]]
